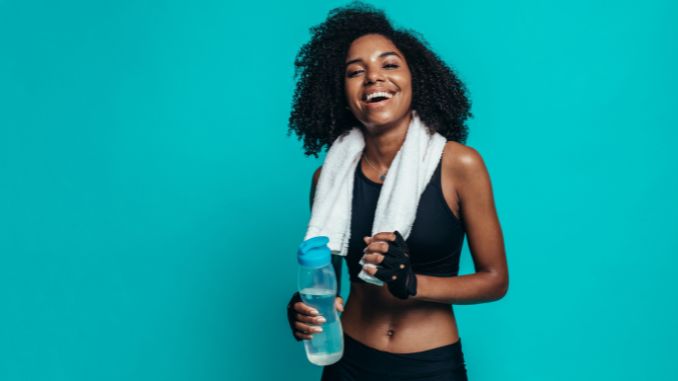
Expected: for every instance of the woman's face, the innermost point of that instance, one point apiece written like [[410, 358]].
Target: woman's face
[[375, 66]]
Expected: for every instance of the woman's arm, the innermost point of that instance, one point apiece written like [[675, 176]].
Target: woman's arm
[[485, 240]]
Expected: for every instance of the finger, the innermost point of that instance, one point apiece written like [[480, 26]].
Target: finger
[[375, 258], [307, 329], [314, 320], [305, 309], [371, 270], [339, 304], [384, 236], [377, 247], [302, 336]]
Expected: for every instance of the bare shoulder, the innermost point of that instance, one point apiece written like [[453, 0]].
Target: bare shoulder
[[316, 175], [462, 161]]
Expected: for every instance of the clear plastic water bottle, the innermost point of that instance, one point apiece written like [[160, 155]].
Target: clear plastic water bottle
[[317, 288]]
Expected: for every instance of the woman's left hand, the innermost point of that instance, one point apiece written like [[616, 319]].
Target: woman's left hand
[[389, 254]]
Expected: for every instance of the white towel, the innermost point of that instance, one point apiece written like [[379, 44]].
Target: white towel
[[408, 176]]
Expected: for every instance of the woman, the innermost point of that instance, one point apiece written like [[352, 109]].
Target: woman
[[358, 70]]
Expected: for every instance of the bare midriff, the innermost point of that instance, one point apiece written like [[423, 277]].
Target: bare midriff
[[379, 320]]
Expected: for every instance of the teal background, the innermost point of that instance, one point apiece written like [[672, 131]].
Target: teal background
[[151, 202]]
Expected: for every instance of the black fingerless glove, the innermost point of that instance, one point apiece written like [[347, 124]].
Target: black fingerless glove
[[396, 271], [291, 313]]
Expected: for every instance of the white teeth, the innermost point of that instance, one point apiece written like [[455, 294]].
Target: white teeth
[[379, 94]]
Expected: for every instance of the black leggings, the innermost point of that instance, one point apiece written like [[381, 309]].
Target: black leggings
[[361, 362]]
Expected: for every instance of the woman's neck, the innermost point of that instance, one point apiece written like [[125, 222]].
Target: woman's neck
[[382, 143]]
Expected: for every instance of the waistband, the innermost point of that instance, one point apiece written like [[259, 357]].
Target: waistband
[[432, 361]]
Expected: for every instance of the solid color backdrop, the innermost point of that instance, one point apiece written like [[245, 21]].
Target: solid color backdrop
[[151, 202]]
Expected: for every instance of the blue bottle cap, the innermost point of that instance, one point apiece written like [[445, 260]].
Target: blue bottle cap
[[314, 252]]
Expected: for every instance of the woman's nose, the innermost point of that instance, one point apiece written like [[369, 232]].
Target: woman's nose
[[373, 76]]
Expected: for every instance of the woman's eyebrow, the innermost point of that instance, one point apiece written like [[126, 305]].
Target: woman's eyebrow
[[384, 54]]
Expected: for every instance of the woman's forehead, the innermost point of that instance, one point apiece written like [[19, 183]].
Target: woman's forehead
[[370, 46]]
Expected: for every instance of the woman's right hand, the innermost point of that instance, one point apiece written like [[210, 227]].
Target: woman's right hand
[[304, 320]]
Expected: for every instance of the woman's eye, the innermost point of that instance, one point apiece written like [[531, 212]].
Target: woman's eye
[[354, 73]]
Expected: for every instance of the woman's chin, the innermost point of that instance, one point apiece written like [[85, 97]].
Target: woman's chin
[[374, 120]]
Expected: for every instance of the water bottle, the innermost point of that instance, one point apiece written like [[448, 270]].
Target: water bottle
[[317, 288]]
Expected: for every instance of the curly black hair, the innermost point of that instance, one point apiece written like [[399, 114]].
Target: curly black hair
[[320, 111]]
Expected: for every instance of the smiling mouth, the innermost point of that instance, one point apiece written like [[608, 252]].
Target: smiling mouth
[[378, 100], [377, 95]]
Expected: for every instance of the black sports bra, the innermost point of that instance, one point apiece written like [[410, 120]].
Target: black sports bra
[[436, 238]]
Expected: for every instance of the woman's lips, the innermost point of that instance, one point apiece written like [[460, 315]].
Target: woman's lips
[[381, 103]]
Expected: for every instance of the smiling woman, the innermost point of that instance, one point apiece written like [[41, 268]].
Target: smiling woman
[[320, 105], [358, 72], [375, 58]]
